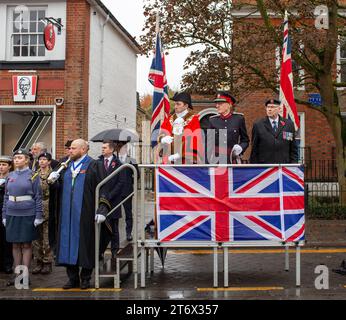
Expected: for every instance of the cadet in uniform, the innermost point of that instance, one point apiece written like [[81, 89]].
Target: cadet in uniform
[[42, 248], [273, 137], [229, 130], [6, 259], [22, 209]]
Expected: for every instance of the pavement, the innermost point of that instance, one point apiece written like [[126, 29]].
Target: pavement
[[254, 274]]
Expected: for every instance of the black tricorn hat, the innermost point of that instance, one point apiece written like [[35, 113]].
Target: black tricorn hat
[[68, 143], [273, 101], [183, 97], [224, 96]]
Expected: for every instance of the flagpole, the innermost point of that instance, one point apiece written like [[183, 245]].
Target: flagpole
[[157, 29]]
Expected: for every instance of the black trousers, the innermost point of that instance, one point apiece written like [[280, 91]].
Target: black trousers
[[115, 242], [128, 215], [74, 276], [6, 257]]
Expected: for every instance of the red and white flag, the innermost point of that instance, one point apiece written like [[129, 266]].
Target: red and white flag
[[288, 104]]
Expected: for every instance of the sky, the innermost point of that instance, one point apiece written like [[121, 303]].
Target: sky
[[130, 14]]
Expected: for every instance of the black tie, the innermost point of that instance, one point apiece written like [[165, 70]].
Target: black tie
[[275, 127]]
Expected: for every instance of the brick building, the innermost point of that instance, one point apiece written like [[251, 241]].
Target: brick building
[[86, 84]]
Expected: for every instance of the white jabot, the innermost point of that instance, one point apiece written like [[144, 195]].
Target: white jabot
[[182, 114]]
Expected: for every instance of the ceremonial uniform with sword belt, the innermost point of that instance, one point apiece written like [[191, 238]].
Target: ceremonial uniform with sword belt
[[227, 135]]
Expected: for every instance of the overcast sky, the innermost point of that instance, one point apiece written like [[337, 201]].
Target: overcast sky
[[130, 14]]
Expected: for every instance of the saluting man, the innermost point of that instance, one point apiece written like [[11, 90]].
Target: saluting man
[[273, 137], [227, 135], [182, 133]]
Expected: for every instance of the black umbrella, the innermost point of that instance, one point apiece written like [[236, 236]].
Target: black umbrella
[[161, 251], [123, 135]]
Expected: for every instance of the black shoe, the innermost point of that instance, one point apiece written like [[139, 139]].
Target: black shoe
[[343, 264], [129, 237], [340, 271], [11, 282], [71, 284], [85, 284]]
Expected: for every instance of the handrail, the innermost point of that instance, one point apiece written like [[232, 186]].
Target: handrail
[[97, 226]]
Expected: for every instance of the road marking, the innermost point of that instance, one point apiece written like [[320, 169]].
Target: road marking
[[76, 290], [240, 289], [259, 251]]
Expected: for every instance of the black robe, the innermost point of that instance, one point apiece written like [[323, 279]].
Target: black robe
[[83, 252]]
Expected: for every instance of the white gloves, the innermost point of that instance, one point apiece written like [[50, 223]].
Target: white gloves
[[4, 222], [99, 218], [167, 139], [237, 150], [2, 181], [37, 222], [54, 176], [174, 157]]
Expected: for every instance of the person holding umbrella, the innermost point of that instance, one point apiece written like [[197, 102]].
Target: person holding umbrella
[[109, 163]]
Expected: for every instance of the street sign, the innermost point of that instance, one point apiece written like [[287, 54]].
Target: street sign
[[315, 99]]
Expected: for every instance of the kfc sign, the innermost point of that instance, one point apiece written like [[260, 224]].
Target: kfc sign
[[24, 88], [49, 37]]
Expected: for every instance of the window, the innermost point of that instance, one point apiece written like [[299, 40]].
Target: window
[[342, 60], [300, 139], [26, 33]]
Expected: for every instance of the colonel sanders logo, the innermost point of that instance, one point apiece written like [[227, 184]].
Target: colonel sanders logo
[[24, 88]]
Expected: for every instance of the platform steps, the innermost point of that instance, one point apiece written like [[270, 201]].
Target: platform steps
[[111, 268]]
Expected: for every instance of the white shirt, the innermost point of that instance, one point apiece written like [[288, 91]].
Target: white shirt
[[272, 120], [108, 158]]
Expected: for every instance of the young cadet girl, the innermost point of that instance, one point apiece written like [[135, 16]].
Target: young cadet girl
[[22, 209]]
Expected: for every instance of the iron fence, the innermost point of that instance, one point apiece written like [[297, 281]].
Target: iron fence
[[325, 200]]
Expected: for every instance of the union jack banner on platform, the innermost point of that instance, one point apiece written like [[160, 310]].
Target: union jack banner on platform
[[157, 77], [288, 104], [230, 204]]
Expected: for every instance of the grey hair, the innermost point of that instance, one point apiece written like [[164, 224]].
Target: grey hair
[[41, 145]]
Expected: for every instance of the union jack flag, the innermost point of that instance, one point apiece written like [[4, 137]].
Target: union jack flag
[[157, 77], [288, 103], [230, 204]]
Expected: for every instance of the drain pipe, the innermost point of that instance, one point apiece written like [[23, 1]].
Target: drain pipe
[[102, 52]]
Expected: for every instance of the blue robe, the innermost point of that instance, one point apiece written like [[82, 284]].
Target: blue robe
[[76, 232]]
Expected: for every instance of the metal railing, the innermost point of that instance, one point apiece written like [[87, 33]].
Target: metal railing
[[98, 226], [320, 170], [325, 200]]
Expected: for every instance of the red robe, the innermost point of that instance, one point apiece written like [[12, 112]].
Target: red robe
[[189, 144]]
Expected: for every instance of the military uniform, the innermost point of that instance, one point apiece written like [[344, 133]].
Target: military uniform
[[269, 146], [41, 247], [226, 134], [229, 130]]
